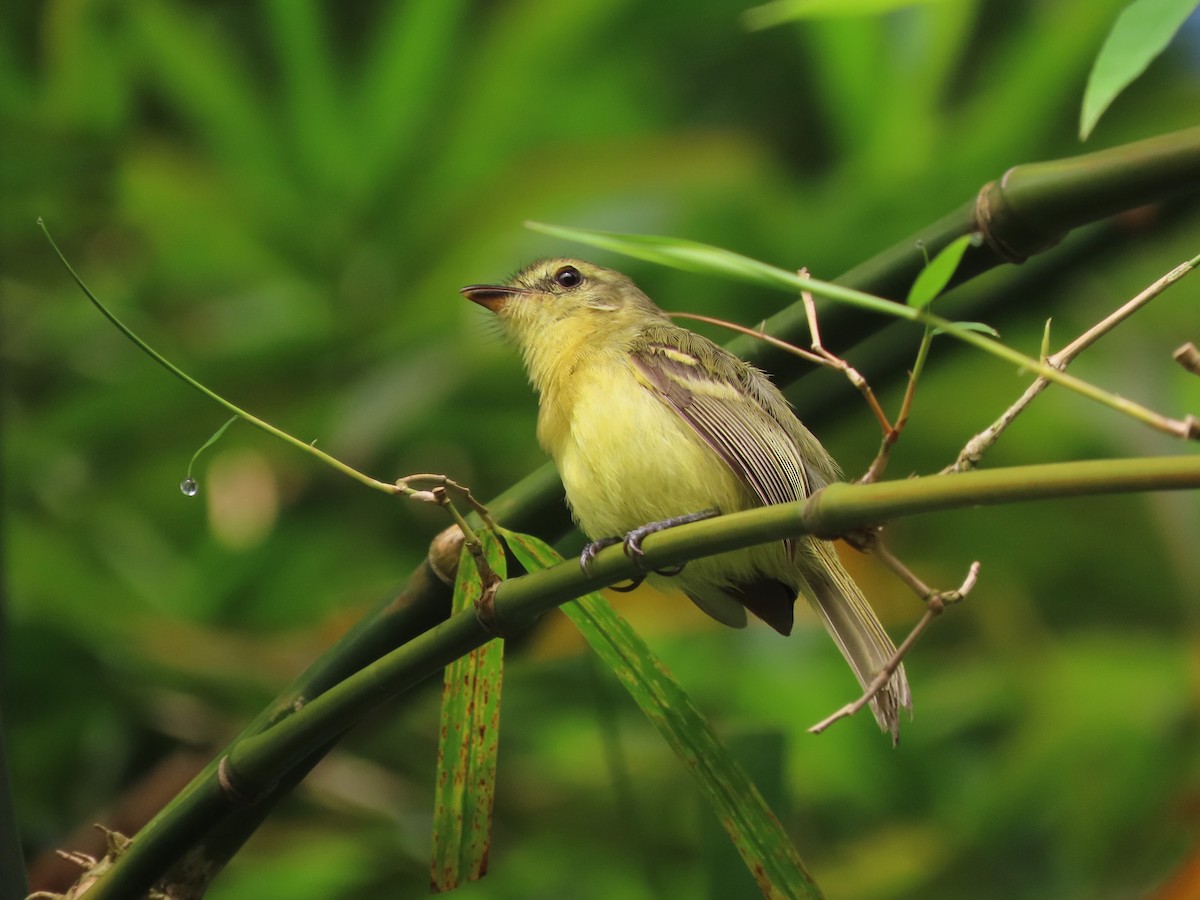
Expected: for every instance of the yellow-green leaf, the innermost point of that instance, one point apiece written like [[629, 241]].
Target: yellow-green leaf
[[779, 12], [977, 327], [468, 741], [736, 801], [935, 276], [705, 259], [1141, 33]]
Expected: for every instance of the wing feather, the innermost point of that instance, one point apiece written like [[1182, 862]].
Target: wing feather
[[728, 417]]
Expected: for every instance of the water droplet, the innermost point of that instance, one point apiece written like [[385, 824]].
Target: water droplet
[[189, 487]]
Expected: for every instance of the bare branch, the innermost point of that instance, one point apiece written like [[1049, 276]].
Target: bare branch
[[1188, 357], [936, 603], [978, 445]]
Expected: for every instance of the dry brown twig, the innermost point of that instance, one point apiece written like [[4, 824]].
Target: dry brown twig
[[891, 432], [869, 541], [1189, 357], [439, 494], [819, 355], [832, 361], [978, 445], [935, 604], [937, 601]]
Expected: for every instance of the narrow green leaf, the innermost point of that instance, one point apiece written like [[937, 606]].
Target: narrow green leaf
[[1142, 31], [780, 12], [467, 742], [706, 259], [1045, 351], [713, 260], [937, 274], [677, 253], [976, 327], [734, 798]]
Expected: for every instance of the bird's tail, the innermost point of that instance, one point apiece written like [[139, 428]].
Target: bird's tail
[[857, 631]]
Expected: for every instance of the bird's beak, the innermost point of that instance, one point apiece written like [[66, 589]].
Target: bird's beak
[[493, 296]]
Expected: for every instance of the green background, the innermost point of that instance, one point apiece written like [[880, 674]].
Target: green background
[[284, 198]]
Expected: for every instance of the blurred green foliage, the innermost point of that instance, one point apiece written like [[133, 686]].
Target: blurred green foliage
[[284, 197]]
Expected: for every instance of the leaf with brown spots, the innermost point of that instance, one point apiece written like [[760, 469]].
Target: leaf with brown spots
[[468, 741], [755, 831]]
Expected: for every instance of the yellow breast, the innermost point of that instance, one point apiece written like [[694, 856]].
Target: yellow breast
[[625, 457]]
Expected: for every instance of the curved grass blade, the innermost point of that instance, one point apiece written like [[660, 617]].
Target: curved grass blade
[[755, 831], [467, 742], [188, 485], [207, 392]]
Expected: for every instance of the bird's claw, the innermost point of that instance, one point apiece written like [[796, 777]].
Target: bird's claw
[[589, 554], [633, 543], [633, 549], [590, 551], [634, 584]]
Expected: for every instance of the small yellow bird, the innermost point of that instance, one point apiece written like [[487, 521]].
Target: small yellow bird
[[650, 424]]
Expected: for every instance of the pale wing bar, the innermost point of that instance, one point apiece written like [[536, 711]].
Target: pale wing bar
[[744, 435]]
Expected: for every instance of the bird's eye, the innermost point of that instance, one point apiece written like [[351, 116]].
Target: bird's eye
[[568, 277]]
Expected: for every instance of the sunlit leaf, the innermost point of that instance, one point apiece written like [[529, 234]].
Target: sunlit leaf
[[677, 253], [736, 801], [1140, 34], [780, 12], [935, 276], [713, 260], [706, 259], [977, 327], [467, 742]]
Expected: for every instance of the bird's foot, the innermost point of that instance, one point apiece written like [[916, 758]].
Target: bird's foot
[[632, 543], [589, 554], [633, 540], [590, 551]]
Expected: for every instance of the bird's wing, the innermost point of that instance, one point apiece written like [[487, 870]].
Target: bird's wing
[[751, 441]]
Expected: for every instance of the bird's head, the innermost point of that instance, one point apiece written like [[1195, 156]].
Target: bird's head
[[551, 294]]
